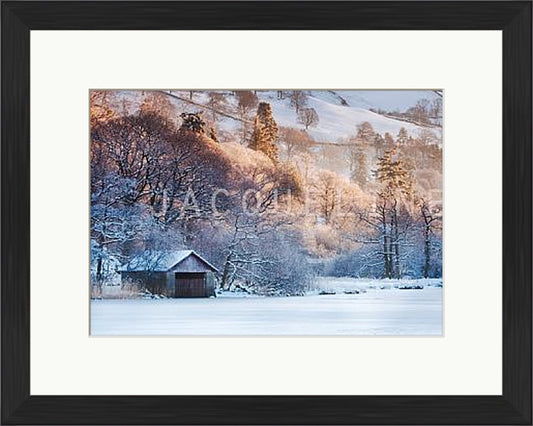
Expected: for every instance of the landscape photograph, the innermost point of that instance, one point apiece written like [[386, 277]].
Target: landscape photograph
[[233, 212]]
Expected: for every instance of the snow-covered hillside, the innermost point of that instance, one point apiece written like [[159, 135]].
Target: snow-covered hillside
[[389, 100], [339, 111], [339, 121]]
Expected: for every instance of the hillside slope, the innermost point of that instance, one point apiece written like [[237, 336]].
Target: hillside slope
[[339, 111], [339, 121]]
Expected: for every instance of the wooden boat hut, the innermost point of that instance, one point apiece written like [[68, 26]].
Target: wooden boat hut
[[182, 273]]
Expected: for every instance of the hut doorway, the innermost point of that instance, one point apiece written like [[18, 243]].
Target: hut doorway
[[190, 284]]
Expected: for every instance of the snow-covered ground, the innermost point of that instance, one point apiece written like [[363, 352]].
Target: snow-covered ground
[[373, 311]]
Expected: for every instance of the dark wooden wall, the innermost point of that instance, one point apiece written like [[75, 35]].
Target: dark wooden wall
[[155, 282]]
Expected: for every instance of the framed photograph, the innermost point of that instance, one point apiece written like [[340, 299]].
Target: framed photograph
[[266, 212]]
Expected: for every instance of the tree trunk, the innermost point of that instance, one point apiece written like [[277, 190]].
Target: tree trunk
[[225, 273], [396, 243], [427, 252], [386, 256], [99, 270], [387, 264], [397, 268]]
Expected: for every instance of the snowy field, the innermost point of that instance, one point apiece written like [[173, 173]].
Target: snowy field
[[377, 309]]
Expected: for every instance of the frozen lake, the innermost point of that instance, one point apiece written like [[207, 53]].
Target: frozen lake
[[376, 312]]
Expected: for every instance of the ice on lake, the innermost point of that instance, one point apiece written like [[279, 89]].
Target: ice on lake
[[376, 311]]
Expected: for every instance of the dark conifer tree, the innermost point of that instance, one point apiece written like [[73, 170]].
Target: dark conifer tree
[[193, 121], [265, 132]]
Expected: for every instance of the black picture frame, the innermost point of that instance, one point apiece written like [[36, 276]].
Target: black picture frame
[[513, 18]]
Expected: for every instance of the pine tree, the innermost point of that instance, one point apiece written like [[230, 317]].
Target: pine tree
[[402, 137], [379, 144], [193, 121], [365, 132], [265, 132], [394, 176], [392, 208], [389, 140], [360, 174]]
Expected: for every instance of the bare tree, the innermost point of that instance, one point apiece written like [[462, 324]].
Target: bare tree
[[431, 221], [101, 107], [158, 103], [436, 108], [247, 102], [295, 141], [427, 137], [298, 100], [325, 192], [216, 102], [308, 117], [421, 111]]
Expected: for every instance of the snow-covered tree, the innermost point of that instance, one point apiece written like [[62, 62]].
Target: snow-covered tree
[[391, 219], [326, 193], [431, 222]]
